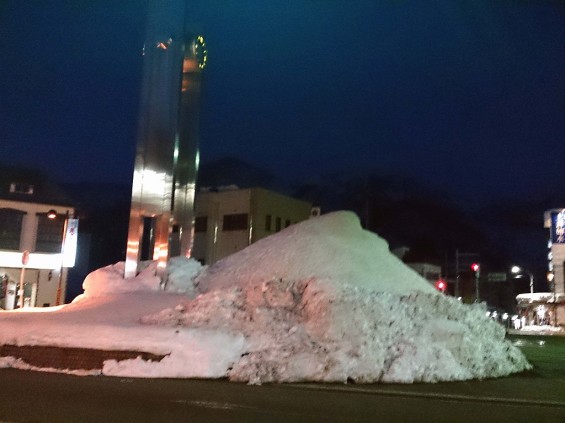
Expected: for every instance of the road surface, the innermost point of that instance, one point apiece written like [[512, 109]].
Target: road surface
[[537, 396]]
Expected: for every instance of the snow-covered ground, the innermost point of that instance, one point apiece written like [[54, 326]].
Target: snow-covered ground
[[322, 300], [542, 330]]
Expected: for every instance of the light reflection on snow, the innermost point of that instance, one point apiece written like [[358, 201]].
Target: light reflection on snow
[[38, 309]]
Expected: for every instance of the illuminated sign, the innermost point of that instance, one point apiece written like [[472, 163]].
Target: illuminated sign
[[70, 245], [36, 260], [558, 227]]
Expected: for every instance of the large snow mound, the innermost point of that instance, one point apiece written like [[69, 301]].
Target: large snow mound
[[332, 248], [306, 331], [322, 300], [325, 300]]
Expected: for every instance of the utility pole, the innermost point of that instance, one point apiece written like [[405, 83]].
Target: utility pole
[[462, 259], [456, 273], [25, 259]]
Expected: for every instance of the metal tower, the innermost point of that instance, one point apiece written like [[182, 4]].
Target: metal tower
[[166, 160]]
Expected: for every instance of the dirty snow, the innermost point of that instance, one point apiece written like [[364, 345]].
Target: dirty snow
[[322, 300]]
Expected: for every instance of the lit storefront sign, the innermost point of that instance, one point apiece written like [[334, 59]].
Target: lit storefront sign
[[36, 260], [70, 243], [46, 261]]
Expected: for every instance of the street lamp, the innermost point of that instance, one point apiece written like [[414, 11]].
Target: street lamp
[[517, 270]]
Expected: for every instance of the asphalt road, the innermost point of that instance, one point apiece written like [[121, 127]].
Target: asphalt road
[[536, 396]]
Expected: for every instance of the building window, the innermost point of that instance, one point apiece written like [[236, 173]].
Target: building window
[[278, 221], [287, 223], [201, 224], [49, 234], [268, 222], [10, 228], [19, 188], [235, 222]]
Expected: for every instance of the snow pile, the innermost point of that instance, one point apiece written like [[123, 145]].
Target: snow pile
[[326, 301], [110, 280], [322, 300], [181, 274], [332, 248], [194, 354], [297, 331]]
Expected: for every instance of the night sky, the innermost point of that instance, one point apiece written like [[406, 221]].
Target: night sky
[[466, 96]]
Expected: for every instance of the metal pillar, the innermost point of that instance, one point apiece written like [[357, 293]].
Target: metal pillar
[[166, 155]]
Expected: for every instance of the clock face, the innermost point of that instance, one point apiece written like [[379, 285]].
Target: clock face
[[199, 51]]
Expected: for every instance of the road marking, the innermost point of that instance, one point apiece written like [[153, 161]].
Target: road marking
[[440, 396], [213, 404]]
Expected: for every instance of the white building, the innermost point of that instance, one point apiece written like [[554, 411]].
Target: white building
[[554, 220], [35, 225], [548, 308], [229, 220]]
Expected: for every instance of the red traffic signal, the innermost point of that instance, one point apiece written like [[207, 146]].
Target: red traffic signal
[[475, 267], [441, 285]]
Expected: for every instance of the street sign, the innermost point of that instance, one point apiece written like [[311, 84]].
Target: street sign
[[496, 277]]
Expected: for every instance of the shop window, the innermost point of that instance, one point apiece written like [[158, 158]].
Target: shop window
[[268, 222], [10, 228], [201, 224], [49, 234], [235, 222]]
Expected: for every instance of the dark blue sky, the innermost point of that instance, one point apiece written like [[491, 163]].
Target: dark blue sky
[[466, 96]]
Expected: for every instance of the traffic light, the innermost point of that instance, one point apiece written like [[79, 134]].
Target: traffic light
[[476, 268], [441, 285]]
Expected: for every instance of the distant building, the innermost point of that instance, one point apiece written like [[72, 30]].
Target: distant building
[[554, 220], [229, 220], [430, 272], [548, 308], [33, 217]]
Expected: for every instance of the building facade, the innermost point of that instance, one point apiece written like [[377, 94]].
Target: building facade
[[554, 220], [35, 221], [548, 308], [230, 220]]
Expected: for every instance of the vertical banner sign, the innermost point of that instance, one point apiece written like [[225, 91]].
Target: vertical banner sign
[[558, 227], [25, 258], [70, 243]]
